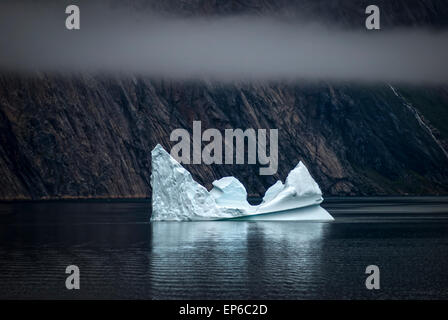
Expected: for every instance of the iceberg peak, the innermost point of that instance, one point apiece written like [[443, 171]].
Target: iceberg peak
[[175, 195], [301, 180]]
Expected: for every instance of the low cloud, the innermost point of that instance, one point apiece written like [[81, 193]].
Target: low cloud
[[224, 49]]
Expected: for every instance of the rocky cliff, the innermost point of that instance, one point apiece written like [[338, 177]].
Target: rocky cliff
[[90, 136]]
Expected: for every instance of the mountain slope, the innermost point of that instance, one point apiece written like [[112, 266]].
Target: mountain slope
[[87, 136], [90, 136]]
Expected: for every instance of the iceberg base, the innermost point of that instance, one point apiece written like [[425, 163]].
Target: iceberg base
[[310, 213]]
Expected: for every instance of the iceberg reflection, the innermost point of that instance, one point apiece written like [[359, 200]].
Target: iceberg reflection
[[200, 257]]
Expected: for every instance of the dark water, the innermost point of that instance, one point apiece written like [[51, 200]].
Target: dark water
[[121, 255]]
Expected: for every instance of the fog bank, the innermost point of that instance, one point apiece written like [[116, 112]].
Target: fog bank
[[224, 49]]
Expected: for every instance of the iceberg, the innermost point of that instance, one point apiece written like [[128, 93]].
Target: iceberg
[[177, 197], [231, 196]]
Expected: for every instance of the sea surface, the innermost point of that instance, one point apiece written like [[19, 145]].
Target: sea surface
[[121, 255]]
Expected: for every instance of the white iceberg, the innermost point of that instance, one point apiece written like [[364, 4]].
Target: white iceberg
[[273, 191], [229, 191], [177, 197], [231, 196]]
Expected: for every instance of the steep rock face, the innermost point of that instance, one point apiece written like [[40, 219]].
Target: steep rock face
[[92, 136]]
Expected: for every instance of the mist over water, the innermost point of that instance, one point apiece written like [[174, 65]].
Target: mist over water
[[34, 38]]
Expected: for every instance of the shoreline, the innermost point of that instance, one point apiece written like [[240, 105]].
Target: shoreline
[[327, 199]]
